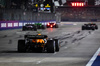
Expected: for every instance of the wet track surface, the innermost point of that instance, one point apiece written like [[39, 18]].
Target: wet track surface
[[77, 47]]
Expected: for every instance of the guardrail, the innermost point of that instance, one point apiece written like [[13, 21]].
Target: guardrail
[[5, 25]]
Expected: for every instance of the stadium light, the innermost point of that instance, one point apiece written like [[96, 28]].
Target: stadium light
[[72, 4], [77, 4], [82, 4]]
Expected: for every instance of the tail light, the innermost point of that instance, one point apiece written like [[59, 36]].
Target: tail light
[[54, 24], [48, 24], [51, 26]]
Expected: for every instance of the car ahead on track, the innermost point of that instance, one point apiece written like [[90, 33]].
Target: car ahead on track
[[95, 25], [40, 26], [38, 43], [29, 27], [90, 26], [52, 25]]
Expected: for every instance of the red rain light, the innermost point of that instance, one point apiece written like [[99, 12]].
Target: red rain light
[[51, 26]]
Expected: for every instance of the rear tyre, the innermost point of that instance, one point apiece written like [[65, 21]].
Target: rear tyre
[[23, 28], [57, 45], [82, 27], [21, 46], [96, 27], [39, 49], [35, 28], [50, 46], [93, 28], [47, 26], [56, 26], [43, 27]]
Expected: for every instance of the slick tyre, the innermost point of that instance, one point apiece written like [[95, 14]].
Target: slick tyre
[[47, 26], [21, 46], [82, 28], [96, 27], [23, 28], [57, 47], [43, 27], [92, 28], [50, 46], [56, 26], [35, 28]]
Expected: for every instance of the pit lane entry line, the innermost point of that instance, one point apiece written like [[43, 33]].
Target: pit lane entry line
[[93, 58]]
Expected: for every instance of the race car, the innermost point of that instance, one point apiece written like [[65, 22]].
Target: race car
[[52, 25], [89, 26], [40, 26], [29, 27], [38, 43], [93, 24]]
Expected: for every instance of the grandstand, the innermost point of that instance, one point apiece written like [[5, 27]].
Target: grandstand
[[88, 13], [79, 10]]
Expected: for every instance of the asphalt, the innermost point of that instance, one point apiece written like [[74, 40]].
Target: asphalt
[[77, 46]]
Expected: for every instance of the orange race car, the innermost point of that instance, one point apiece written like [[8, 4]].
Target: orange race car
[[38, 43]]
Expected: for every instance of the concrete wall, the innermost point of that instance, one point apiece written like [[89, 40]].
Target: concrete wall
[[5, 25], [11, 19], [22, 15]]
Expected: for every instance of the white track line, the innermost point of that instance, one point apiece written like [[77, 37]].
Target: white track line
[[74, 24], [38, 62], [65, 47], [55, 53], [93, 58]]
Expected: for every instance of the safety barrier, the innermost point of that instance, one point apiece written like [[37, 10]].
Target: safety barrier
[[5, 25]]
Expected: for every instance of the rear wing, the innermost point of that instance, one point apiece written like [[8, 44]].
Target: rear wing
[[36, 36]]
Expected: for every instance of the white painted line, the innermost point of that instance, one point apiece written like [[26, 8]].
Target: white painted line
[[20, 32], [55, 53], [66, 33], [93, 58], [65, 47], [38, 62], [74, 24]]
